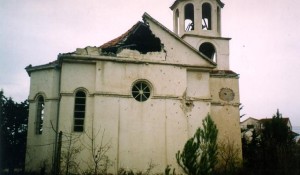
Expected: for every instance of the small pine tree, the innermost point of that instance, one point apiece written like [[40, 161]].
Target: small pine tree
[[199, 155]]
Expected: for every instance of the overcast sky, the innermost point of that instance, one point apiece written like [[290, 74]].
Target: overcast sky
[[264, 50]]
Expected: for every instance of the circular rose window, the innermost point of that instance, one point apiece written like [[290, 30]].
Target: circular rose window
[[141, 91]]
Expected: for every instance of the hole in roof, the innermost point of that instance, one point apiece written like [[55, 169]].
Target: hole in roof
[[139, 38]]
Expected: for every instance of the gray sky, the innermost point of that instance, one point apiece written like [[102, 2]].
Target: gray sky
[[264, 50]]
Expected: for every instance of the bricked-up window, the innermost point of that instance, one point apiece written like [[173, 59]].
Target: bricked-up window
[[79, 111], [39, 115]]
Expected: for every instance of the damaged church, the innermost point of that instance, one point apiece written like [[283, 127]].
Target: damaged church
[[136, 99]]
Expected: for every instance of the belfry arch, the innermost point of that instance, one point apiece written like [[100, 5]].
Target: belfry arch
[[208, 49], [197, 17], [189, 19], [206, 16]]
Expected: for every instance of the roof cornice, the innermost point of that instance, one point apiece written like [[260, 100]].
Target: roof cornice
[[89, 59], [51, 65], [178, 1]]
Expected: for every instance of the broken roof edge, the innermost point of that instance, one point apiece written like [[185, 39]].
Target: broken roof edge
[[92, 59], [177, 1], [50, 65], [146, 17]]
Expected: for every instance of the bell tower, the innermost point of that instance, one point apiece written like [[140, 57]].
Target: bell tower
[[198, 22]]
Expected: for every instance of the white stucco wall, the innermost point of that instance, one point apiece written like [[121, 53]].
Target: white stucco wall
[[76, 76], [221, 47], [139, 132], [177, 51], [40, 147], [118, 78], [226, 114]]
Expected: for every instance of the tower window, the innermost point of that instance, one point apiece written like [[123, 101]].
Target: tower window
[[208, 50], [206, 16], [79, 111], [141, 91], [189, 17], [39, 115]]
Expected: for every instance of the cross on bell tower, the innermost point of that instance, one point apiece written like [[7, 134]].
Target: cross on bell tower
[[198, 22]]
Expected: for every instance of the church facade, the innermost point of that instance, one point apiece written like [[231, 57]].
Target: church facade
[[137, 99]]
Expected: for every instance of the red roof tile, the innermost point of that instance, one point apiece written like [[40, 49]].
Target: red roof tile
[[120, 38]]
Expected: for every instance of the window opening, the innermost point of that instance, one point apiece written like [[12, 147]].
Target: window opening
[[79, 111], [141, 91], [40, 115], [189, 17], [208, 50], [206, 16]]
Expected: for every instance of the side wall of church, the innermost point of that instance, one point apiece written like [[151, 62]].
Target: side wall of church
[[40, 147]]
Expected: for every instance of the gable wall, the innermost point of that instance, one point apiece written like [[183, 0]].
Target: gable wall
[[178, 52]]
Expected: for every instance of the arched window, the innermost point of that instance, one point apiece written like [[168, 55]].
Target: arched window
[[206, 16], [189, 17], [208, 50], [39, 115], [79, 111]]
